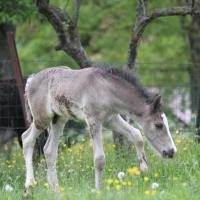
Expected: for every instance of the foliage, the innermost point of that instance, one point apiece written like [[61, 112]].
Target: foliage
[[15, 11], [176, 179], [105, 27]]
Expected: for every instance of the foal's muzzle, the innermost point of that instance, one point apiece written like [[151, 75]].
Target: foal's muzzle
[[169, 154]]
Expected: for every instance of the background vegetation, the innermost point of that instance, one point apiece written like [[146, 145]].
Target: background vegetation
[[163, 60]]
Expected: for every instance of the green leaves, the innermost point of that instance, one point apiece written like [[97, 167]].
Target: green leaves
[[15, 11]]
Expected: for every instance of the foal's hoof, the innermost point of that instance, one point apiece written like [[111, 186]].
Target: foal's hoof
[[28, 193]]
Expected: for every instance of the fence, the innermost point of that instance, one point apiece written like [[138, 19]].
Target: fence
[[176, 97]]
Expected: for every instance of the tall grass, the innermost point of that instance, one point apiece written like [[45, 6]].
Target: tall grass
[[178, 178]]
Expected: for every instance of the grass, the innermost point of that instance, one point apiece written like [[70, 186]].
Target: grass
[[178, 178]]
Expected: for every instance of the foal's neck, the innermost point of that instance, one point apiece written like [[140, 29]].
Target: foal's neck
[[130, 99]]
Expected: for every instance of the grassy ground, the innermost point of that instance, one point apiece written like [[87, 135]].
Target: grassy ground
[[178, 178]]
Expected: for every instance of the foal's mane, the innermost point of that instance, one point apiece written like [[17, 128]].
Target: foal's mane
[[131, 78]]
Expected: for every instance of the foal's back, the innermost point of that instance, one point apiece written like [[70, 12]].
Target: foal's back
[[60, 90]]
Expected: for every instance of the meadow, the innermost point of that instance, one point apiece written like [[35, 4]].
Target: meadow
[[178, 178]]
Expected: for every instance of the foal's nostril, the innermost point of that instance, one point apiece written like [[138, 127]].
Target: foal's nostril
[[168, 154], [171, 153], [164, 154]]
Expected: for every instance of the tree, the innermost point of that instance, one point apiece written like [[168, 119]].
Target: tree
[[194, 40], [12, 12], [69, 37]]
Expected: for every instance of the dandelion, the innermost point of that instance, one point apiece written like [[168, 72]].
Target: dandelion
[[114, 146], [62, 189], [133, 171], [109, 181], [116, 181], [178, 131], [178, 141], [146, 179], [154, 185], [117, 187], [35, 183], [156, 175], [147, 192], [69, 150], [120, 175], [8, 188], [46, 185], [64, 145], [124, 183], [175, 178]]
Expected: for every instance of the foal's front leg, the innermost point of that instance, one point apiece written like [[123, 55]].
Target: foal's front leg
[[134, 135], [51, 153], [98, 152]]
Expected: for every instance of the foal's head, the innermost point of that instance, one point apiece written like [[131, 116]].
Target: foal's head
[[156, 130]]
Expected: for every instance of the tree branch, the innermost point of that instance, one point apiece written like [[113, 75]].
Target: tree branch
[[66, 30], [142, 21], [76, 12]]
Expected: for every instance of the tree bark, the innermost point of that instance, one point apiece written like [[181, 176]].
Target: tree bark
[[67, 31], [194, 40], [5, 63], [143, 19]]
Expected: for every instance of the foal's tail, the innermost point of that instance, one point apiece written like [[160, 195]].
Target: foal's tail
[[29, 116], [27, 109]]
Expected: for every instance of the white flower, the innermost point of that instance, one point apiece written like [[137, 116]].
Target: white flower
[[120, 175], [154, 185], [8, 188]]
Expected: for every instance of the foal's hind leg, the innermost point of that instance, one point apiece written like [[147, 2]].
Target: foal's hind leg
[[51, 152], [134, 135], [28, 140], [98, 152]]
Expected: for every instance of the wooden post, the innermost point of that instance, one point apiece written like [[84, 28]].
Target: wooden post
[[17, 71]]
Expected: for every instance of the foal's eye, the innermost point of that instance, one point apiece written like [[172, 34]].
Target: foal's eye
[[159, 125]]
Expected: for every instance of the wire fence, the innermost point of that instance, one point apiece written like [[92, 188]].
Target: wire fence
[[176, 99]]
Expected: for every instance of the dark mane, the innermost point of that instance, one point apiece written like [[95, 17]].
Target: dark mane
[[130, 78]]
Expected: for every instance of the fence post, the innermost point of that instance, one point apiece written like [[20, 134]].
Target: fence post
[[17, 71]]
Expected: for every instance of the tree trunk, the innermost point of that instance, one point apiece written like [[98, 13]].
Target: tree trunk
[[6, 70], [194, 39]]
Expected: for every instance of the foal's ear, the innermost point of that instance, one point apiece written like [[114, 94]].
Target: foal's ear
[[156, 104]]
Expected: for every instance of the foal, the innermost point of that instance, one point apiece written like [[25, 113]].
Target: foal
[[99, 96]]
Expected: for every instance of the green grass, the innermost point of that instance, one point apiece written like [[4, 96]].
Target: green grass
[[178, 178]]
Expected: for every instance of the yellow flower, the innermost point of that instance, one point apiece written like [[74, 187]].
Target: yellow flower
[[117, 187], [46, 185], [109, 181], [116, 181], [62, 189], [35, 183], [129, 183], [178, 141], [64, 145], [147, 192], [178, 131], [113, 145], [156, 174], [69, 150], [175, 178], [124, 183], [146, 179], [133, 171]]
